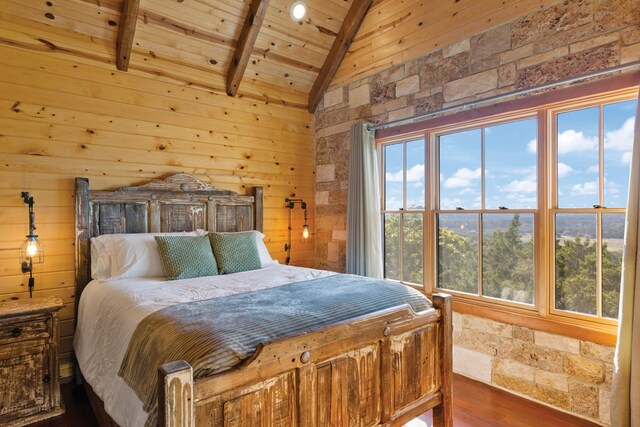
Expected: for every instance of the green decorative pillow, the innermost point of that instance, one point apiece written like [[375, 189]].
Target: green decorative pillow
[[184, 257], [235, 252]]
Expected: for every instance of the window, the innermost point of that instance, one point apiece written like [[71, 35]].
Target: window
[[403, 212], [486, 210], [593, 151], [524, 210]]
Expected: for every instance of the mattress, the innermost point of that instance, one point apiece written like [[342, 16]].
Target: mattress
[[110, 311]]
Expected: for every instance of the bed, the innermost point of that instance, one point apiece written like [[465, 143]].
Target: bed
[[381, 368]]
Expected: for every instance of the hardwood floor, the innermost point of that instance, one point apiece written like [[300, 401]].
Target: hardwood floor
[[475, 405]]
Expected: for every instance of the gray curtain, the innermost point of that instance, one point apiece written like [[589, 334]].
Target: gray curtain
[[364, 240], [625, 392]]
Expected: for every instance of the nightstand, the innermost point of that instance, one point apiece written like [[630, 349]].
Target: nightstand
[[29, 367]]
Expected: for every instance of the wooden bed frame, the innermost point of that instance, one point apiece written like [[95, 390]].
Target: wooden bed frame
[[383, 369]]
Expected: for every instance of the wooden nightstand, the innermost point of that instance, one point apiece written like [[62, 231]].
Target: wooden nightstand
[[29, 367]]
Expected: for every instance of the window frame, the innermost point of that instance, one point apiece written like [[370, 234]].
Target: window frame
[[599, 101], [542, 314], [384, 211], [434, 141]]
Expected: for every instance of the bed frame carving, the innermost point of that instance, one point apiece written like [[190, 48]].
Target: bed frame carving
[[383, 369]]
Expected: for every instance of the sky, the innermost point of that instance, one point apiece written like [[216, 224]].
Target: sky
[[510, 163]]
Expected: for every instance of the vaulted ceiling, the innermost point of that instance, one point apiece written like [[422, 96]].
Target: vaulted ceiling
[[195, 41]]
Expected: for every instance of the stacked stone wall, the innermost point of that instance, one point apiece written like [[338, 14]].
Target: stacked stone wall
[[567, 373], [570, 38]]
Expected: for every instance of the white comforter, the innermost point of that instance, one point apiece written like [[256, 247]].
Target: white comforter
[[110, 311]]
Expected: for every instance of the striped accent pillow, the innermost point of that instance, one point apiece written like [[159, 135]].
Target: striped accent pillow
[[235, 252], [184, 257]]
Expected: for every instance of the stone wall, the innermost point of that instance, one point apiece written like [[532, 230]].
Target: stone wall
[[566, 373], [567, 39], [570, 38]]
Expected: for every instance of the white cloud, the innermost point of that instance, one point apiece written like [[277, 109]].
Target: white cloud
[[571, 141], [625, 159], [621, 139], [532, 146], [593, 169], [463, 177], [587, 189], [392, 202], [517, 186], [416, 173], [612, 187], [465, 191], [476, 203], [446, 203], [564, 169]]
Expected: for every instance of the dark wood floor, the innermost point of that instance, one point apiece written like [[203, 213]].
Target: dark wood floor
[[475, 405]]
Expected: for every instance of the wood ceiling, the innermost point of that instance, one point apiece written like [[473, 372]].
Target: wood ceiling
[[206, 43]]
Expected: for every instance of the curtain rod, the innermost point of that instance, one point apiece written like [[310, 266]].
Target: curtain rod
[[477, 102]]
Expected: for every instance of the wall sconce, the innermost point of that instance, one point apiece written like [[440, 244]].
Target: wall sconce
[[31, 251], [291, 203]]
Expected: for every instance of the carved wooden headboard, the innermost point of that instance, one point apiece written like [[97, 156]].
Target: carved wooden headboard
[[177, 203]]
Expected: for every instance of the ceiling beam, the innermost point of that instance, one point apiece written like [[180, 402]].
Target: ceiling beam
[[341, 44], [126, 31], [247, 39]]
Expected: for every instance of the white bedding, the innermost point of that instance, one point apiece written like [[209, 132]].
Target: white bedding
[[110, 311]]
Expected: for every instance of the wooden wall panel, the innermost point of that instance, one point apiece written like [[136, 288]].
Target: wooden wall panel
[[396, 31], [66, 114]]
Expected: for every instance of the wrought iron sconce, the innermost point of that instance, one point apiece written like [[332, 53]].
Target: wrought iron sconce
[[291, 203], [31, 251]]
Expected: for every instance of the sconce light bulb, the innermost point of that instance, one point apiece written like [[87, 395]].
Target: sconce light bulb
[[32, 248], [305, 231]]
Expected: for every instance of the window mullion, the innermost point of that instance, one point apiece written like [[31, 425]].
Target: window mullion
[[541, 222], [601, 155], [599, 213], [479, 254], [482, 207], [599, 264]]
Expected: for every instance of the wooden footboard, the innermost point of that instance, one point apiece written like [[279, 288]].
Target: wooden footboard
[[381, 370]]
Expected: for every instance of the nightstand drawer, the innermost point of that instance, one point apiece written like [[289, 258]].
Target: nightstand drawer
[[24, 330], [24, 377], [29, 370]]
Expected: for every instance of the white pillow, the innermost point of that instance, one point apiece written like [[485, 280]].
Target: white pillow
[[100, 261], [119, 256], [265, 256]]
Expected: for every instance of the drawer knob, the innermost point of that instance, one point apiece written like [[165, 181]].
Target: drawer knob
[[15, 332], [46, 378]]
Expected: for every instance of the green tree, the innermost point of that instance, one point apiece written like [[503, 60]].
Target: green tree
[[412, 247], [508, 264], [611, 276], [457, 262], [576, 277]]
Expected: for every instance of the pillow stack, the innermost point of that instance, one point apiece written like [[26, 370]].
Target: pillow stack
[[177, 255]]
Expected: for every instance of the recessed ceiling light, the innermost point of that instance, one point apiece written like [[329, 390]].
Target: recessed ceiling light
[[298, 11]]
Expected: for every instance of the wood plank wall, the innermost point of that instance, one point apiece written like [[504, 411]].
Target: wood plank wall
[[397, 31], [65, 114]]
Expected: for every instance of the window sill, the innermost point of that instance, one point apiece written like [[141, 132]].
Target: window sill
[[583, 330]]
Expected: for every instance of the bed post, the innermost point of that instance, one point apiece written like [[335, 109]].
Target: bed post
[[175, 395], [83, 254], [82, 236], [443, 413], [258, 193]]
